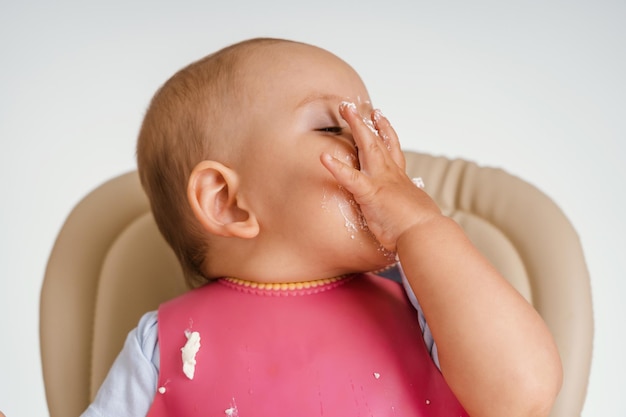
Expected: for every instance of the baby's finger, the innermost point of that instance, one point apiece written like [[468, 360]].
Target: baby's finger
[[389, 136], [371, 149], [351, 179]]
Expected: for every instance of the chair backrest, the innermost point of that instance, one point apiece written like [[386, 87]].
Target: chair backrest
[[109, 265]]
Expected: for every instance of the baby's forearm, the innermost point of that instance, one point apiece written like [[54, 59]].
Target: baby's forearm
[[495, 351]]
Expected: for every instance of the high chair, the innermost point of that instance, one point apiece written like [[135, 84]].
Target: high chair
[[110, 265]]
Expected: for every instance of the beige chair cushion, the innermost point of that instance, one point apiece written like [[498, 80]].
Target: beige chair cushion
[[109, 265]]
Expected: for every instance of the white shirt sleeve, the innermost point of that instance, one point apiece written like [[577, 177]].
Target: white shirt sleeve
[[129, 388], [426, 334]]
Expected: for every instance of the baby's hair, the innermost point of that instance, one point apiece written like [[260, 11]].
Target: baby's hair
[[190, 119]]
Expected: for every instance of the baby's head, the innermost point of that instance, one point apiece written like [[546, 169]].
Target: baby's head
[[229, 156]]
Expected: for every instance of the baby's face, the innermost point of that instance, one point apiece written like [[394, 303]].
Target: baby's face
[[295, 94]]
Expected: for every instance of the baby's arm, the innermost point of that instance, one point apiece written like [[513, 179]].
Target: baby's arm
[[130, 385], [495, 351]]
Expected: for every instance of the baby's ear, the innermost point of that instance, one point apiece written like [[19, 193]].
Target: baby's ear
[[213, 193]]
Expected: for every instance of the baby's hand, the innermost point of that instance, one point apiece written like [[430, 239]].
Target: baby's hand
[[389, 200]]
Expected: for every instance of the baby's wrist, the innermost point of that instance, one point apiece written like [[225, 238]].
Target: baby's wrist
[[428, 228]]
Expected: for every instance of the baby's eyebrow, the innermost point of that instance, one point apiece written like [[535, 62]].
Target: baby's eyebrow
[[364, 106], [320, 97]]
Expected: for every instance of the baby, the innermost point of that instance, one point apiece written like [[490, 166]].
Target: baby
[[280, 188]]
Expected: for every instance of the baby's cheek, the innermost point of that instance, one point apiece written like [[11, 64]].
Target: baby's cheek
[[351, 160], [347, 155], [339, 201]]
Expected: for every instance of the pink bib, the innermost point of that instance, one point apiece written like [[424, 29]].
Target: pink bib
[[335, 348]]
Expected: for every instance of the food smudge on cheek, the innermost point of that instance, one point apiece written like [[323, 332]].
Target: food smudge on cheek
[[354, 221], [341, 200]]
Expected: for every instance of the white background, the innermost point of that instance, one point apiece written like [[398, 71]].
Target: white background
[[537, 88]]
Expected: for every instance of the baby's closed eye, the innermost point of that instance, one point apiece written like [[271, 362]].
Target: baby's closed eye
[[331, 129]]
